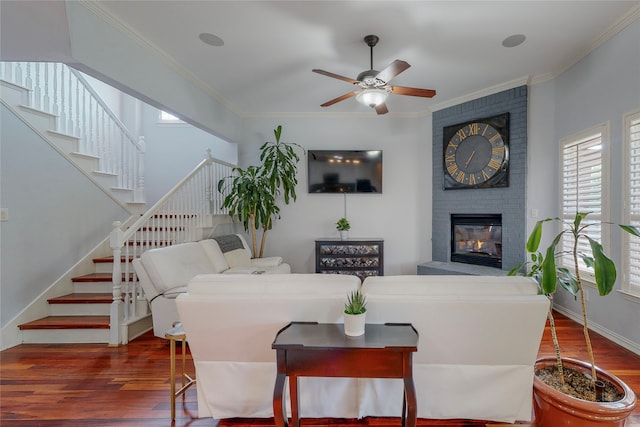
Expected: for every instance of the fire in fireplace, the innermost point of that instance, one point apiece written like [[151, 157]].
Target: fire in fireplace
[[477, 239]]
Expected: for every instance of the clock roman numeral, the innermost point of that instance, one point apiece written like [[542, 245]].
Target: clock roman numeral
[[452, 169], [450, 158], [494, 138], [459, 177], [494, 164], [497, 151], [461, 134], [484, 175], [473, 129], [472, 179]]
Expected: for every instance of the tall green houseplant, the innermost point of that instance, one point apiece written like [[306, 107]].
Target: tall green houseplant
[[252, 194], [549, 274]]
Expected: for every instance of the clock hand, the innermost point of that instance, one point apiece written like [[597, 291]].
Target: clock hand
[[469, 159]]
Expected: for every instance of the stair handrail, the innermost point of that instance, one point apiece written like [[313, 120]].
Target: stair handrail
[[114, 117], [80, 111], [184, 216]]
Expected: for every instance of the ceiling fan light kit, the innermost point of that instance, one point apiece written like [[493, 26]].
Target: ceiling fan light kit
[[372, 97], [373, 86]]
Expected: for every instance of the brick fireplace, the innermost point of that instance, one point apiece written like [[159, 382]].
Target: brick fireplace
[[507, 202]]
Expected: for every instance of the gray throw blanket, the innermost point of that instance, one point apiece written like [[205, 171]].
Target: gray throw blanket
[[229, 242]]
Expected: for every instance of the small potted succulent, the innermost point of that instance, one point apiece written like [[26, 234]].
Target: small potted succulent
[[343, 227], [355, 310]]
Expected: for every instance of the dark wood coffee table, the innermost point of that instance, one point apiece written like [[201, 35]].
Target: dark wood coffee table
[[306, 349]]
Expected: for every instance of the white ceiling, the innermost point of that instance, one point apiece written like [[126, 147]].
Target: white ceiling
[[454, 47]]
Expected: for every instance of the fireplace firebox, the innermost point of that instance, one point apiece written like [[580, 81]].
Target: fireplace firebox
[[477, 239]]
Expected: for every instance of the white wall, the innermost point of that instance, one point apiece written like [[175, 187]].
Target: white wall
[[56, 215], [542, 158], [400, 215], [175, 149], [602, 87]]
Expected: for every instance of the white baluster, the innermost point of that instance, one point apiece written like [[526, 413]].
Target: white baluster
[[70, 125], [98, 135], [55, 89], [37, 91], [46, 100], [140, 170], [8, 72], [78, 108], [91, 126], [116, 313], [18, 74], [28, 83], [85, 125], [63, 117]]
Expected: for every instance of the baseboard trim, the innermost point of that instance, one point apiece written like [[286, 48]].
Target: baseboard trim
[[607, 333]]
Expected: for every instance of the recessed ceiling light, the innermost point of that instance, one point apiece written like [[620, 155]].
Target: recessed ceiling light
[[514, 40], [211, 39]]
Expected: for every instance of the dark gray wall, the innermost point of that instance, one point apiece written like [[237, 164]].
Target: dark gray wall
[[509, 201]]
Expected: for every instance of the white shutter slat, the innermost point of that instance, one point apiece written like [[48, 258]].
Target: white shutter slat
[[632, 249]]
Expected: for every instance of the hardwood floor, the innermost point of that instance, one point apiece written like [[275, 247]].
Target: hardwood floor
[[92, 384]]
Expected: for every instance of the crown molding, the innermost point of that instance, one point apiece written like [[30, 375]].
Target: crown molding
[[617, 27], [114, 22], [482, 93]]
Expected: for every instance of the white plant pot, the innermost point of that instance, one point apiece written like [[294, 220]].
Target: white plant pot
[[344, 234], [354, 324]]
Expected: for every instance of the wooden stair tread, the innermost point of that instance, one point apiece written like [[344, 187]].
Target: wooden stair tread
[[98, 277], [68, 322], [88, 298], [109, 259]]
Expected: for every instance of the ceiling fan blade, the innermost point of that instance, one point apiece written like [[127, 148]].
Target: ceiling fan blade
[[413, 91], [392, 70], [338, 99], [382, 108], [335, 76]]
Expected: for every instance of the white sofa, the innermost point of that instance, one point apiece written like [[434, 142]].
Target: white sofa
[[478, 340], [231, 321], [165, 272]]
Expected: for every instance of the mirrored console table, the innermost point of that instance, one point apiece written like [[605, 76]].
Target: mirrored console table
[[359, 257]]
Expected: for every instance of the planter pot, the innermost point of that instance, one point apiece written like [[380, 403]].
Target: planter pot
[[344, 234], [354, 324], [555, 409]]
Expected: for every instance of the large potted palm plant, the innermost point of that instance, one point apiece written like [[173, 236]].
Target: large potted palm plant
[[252, 194], [569, 392]]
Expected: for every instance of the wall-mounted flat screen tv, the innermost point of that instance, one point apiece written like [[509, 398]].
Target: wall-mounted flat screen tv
[[344, 171]]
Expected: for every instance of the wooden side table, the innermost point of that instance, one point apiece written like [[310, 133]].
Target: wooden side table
[[174, 334], [312, 349]]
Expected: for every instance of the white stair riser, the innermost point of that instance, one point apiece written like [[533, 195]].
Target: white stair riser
[[105, 179], [79, 309], [65, 336], [86, 163], [92, 287], [66, 143], [13, 95]]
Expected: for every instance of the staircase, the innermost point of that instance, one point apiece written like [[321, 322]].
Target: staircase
[[82, 316], [58, 104], [101, 301]]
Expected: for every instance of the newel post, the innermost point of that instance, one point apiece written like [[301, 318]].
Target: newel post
[[117, 309]]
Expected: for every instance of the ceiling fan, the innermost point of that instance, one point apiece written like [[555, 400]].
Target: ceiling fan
[[373, 86]]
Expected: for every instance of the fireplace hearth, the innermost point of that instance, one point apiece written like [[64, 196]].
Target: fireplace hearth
[[477, 239]]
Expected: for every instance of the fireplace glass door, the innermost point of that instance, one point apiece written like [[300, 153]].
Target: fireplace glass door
[[477, 239]]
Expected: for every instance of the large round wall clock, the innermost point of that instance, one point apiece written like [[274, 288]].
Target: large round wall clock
[[476, 153]]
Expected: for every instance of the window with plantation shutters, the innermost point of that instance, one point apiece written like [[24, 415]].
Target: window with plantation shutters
[[583, 175], [631, 254]]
